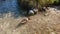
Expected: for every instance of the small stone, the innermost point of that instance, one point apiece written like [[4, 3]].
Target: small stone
[[52, 33], [24, 20], [46, 14], [29, 18]]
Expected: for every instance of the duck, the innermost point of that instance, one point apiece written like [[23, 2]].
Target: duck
[[31, 12], [35, 11]]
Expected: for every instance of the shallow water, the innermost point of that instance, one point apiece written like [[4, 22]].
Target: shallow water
[[7, 6]]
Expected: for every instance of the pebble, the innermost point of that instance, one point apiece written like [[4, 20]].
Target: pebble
[[52, 33], [46, 14], [25, 20]]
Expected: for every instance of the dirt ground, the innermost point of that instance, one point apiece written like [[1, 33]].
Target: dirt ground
[[42, 23]]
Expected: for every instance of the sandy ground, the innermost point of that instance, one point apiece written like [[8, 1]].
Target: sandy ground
[[42, 23]]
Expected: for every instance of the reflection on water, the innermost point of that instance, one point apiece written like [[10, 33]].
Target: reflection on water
[[9, 6]]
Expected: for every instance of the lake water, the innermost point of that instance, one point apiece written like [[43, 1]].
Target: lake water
[[9, 6]]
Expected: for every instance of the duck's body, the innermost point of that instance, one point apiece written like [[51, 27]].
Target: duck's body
[[35, 10]]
